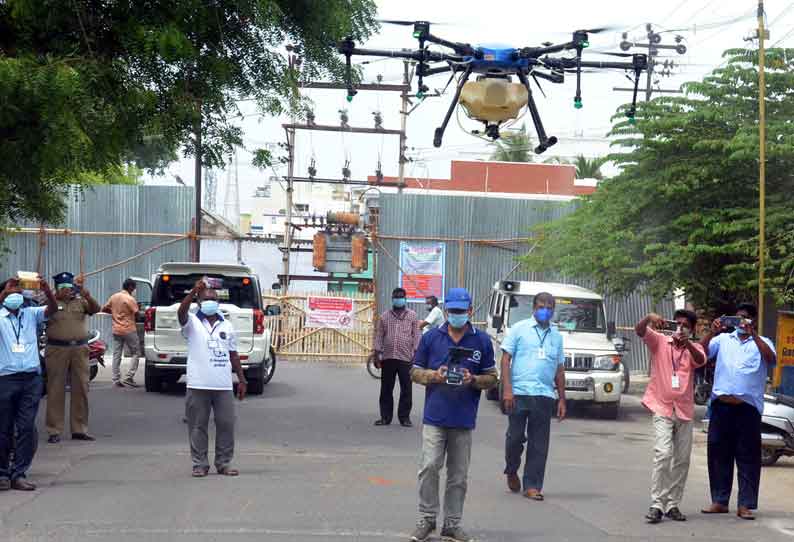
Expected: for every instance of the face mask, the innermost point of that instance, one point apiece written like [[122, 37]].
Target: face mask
[[457, 320], [742, 331], [543, 314], [209, 307], [13, 301], [398, 302]]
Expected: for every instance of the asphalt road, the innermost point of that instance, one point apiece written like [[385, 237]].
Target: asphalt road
[[315, 469]]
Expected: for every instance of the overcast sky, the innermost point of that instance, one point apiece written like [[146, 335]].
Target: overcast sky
[[515, 23]]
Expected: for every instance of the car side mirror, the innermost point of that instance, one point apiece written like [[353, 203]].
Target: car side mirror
[[611, 330], [273, 310], [275, 286], [497, 322]]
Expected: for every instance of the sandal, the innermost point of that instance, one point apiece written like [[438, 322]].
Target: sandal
[[533, 494], [200, 472], [228, 471], [745, 513]]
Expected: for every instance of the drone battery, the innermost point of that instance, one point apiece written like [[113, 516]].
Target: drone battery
[[493, 100]]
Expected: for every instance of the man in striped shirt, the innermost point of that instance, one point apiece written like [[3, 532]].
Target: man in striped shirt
[[397, 336]]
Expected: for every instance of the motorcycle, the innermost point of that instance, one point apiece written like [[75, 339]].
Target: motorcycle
[[777, 428], [704, 381]]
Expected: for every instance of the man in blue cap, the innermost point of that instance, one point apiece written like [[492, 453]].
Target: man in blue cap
[[67, 353], [20, 381], [455, 362]]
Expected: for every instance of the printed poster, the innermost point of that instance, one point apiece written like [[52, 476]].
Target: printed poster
[[422, 270], [330, 312]]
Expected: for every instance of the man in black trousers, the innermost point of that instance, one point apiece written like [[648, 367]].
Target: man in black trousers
[[397, 337]]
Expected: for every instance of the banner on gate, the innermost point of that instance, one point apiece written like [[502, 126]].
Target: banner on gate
[[422, 270], [330, 312]]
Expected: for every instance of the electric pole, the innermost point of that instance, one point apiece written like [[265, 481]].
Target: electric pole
[[197, 185], [653, 46], [403, 125], [762, 164]]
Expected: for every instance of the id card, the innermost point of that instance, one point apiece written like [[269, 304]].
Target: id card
[[541, 353], [676, 382], [18, 348]]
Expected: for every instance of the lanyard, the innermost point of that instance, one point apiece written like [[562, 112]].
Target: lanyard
[[543, 338], [17, 330], [676, 364]]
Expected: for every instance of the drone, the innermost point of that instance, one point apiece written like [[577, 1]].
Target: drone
[[486, 89]]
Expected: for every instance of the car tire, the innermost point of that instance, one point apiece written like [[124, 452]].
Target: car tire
[[626, 378], [152, 381], [610, 411], [769, 456], [271, 369], [256, 380]]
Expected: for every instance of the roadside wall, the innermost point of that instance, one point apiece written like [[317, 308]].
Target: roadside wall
[[112, 208]]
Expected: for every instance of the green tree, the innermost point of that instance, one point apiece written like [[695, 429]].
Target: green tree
[[586, 168], [86, 86], [683, 212], [514, 147]]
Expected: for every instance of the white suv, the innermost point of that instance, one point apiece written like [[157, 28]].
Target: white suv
[[240, 303]]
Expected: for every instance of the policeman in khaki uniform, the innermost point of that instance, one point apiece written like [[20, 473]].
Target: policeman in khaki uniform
[[67, 353]]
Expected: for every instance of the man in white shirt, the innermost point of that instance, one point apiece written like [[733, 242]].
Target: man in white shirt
[[435, 317], [212, 353]]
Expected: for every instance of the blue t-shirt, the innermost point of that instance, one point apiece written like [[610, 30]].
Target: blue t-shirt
[[453, 407], [530, 373]]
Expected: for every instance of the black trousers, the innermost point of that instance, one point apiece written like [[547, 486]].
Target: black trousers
[[391, 370], [734, 437], [530, 423]]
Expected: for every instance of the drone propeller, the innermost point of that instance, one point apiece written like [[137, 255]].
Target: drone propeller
[[609, 28]]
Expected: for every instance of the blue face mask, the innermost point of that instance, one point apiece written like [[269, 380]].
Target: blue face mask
[[398, 302], [543, 314], [209, 307], [458, 321], [13, 301]]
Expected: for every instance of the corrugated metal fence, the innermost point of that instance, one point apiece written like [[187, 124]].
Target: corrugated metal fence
[[117, 208], [469, 219]]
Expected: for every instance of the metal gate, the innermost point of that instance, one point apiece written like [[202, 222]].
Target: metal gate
[[291, 338]]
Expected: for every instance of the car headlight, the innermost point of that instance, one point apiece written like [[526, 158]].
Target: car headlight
[[606, 363]]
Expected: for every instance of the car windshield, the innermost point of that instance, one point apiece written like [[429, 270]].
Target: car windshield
[[570, 314], [239, 291]]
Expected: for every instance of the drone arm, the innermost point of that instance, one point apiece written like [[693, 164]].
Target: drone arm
[[553, 77], [544, 142], [463, 49], [537, 52], [439, 134], [427, 72]]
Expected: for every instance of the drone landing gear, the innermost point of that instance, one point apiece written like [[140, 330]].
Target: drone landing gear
[[439, 135], [544, 142]]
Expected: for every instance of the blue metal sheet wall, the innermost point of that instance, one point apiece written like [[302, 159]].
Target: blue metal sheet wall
[[116, 208], [415, 216]]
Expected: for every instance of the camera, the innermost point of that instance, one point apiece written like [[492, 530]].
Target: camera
[[455, 357], [670, 325], [731, 321]]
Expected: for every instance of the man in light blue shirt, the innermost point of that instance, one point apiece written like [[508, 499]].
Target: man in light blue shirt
[[533, 364], [743, 361], [21, 385]]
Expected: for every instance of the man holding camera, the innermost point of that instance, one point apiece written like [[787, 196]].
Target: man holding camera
[[743, 360], [533, 364], [455, 362], [670, 396]]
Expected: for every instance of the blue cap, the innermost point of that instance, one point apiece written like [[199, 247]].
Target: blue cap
[[64, 278], [458, 298]]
